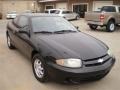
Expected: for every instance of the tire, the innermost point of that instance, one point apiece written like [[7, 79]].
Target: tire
[[111, 26], [93, 27], [9, 43], [39, 68], [77, 18]]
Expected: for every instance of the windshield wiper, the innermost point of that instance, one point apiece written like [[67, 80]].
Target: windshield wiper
[[64, 31], [58, 32], [44, 32]]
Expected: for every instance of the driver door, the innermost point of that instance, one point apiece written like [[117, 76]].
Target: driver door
[[22, 39]]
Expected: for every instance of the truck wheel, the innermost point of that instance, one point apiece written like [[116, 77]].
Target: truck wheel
[[111, 26], [39, 69], [93, 27]]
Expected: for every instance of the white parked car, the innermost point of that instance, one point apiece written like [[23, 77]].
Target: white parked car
[[69, 15], [11, 15], [51, 11]]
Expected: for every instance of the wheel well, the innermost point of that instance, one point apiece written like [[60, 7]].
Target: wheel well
[[112, 19], [33, 53]]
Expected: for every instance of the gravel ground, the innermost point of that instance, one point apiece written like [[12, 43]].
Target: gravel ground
[[16, 71]]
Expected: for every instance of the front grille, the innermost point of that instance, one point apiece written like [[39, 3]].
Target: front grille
[[95, 62]]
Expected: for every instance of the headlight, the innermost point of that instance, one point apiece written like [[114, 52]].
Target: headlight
[[72, 63], [109, 53]]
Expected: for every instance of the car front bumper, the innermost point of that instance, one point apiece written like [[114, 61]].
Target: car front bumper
[[59, 73]]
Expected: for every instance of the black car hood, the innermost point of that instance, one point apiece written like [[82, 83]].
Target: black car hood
[[75, 45]]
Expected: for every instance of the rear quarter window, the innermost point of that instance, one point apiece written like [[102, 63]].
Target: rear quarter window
[[109, 9]]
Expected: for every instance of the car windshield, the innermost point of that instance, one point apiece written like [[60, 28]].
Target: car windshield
[[51, 25]]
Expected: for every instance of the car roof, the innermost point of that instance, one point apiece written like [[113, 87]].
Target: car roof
[[58, 9], [39, 15]]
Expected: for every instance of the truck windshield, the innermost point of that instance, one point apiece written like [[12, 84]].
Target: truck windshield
[[108, 9]]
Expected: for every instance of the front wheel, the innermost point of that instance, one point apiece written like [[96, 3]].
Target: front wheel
[[93, 27], [39, 69], [110, 26]]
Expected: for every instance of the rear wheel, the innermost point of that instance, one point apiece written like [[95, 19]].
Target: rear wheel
[[9, 43], [111, 26], [93, 27], [39, 68]]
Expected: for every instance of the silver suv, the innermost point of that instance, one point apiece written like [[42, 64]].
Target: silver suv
[[69, 15]]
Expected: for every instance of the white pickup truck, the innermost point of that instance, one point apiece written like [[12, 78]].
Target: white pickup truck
[[108, 16]]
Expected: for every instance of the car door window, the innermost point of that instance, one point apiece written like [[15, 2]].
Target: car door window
[[23, 26], [57, 12], [67, 12], [22, 22], [52, 11], [15, 21], [108, 9]]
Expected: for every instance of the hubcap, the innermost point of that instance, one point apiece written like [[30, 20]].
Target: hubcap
[[39, 70], [8, 41], [112, 27]]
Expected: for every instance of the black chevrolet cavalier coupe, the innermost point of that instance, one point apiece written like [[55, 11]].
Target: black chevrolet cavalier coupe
[[57, 49]]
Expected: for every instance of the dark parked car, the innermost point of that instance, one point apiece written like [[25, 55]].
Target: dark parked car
[[57, 49]]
